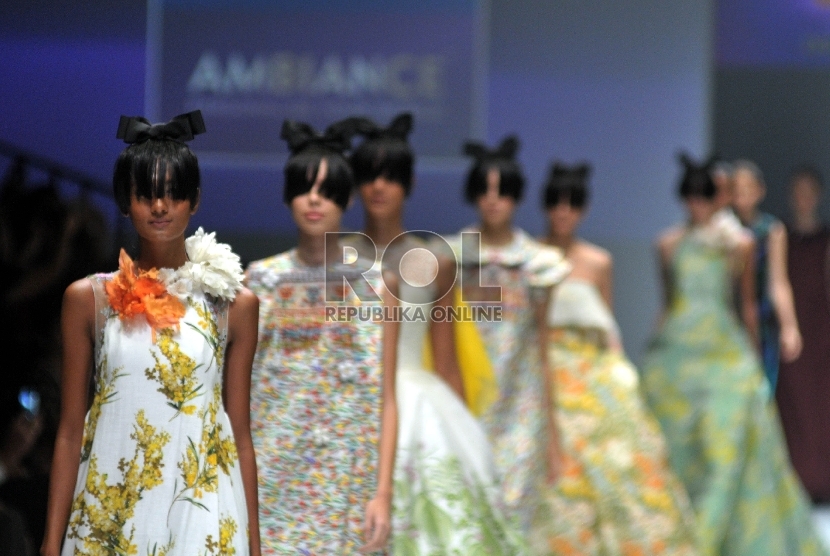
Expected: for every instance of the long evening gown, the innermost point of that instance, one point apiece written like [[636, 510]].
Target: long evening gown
[[516, 423], [803, 393], [617, 493], [704, 383]]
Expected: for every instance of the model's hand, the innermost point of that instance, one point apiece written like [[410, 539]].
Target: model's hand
[[378, 524], [791, 343]]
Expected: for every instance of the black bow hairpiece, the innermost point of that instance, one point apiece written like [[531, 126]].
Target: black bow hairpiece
[[337, 137], [183, 127], [399, 128], [580, 171], [689, 164], [506, 150]]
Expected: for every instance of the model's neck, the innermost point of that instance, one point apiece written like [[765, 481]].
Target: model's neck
[[314, 250], [382, 232], [171, 254], [496, 235], [564, 242], [747, 217], [806, 223]]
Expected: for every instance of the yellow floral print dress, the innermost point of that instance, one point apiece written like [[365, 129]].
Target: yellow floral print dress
[[159, 473]]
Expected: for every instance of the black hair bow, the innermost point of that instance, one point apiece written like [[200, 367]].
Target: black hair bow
[[506, 150], [689, 164], [182, 128], [399, 128], [337, 137], [578, 172]]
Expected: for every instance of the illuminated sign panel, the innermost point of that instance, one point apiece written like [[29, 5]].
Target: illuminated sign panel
[[249, 65]]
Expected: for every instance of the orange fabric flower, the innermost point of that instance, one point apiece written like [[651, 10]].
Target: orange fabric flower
[[132, 294]]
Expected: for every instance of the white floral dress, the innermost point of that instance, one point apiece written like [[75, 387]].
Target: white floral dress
[[159, 474]]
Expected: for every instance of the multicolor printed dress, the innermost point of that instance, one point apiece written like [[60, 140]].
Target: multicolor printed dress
[[704, 383], [617, 493], [514, 277], [315, 408], [159, 474]]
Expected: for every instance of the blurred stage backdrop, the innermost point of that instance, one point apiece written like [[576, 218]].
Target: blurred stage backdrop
[[624, 85]]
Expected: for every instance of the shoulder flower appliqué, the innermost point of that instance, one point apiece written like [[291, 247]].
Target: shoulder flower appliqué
[[211, 267], [132, 294]]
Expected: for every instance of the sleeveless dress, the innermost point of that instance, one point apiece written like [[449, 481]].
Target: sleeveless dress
[[446, 498], [617, 493], [159, 473], [769, 329], [516, 423], [315, 408], [803, 386], [703, 382]]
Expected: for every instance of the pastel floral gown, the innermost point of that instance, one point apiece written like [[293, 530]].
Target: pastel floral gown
[[704, 383], [516, 422], [159, 473], [617, 494], [315, 409]]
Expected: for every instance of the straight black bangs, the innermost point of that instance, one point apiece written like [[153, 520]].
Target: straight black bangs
[[156, 169], [568, 184], [575, 195], [511, 180], [387, 157], [301, 173]]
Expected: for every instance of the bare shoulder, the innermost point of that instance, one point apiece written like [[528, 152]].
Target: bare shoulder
[[79, 294], [596, 256], [668, 239], [245, 304]]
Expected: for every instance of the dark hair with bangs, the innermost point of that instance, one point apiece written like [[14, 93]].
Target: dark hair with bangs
[[697, 179], [807, 171], [386, 152], [301, 173], [308, 148], [566, 183], [142, 169], [502, 159]]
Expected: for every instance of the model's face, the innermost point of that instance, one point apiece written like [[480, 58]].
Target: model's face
[[496, 211], [160, 219], [383, 199], [747, 192], [804, 197], [700, 209], [723, 186], [315, 214], [563, 219]]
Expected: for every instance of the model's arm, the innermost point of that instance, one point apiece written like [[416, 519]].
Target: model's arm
[[77, 339], [442, 333], [243, 322], [379, 510], [664, 250], [781, 293], [605, 284], [746, 287], [541, 300]]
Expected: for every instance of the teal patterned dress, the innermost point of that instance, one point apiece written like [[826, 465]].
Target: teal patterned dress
[[703, 381], [767, 319]]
